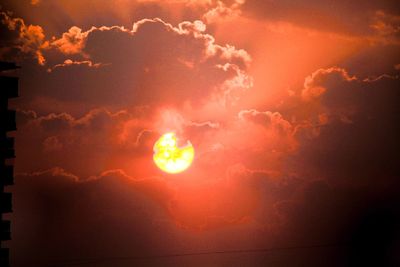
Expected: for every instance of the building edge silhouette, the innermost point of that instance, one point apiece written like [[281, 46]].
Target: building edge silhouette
[[8, 89]]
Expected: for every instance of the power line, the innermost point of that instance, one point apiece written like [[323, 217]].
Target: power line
[[80, 262]]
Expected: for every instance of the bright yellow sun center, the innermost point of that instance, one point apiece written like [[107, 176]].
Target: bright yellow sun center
[[171, 158]]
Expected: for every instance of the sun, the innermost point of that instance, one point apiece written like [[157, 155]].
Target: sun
[[169, 157]]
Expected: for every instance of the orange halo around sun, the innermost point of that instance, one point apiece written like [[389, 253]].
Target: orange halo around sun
[[169, 157]]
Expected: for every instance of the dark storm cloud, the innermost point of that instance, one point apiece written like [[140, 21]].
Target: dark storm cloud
[[57, 216], [358, 140], [111, 215]]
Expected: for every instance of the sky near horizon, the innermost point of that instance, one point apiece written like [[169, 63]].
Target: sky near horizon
[[292, 108]]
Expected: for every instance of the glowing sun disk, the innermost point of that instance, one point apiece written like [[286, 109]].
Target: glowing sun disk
[[169, 157]]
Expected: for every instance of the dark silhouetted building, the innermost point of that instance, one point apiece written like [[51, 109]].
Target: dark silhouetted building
[[8, 89]]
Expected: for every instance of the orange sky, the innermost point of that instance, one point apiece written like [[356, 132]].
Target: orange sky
[[283, 102]]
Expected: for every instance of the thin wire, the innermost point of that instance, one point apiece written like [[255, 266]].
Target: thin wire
[[77, 262]]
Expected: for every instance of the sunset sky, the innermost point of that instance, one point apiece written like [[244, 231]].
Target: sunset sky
[[292, 108]]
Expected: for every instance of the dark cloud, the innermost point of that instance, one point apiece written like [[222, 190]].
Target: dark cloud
[[267, 119], [358, 141], [95, 136], [113, 214], [21, 39], [355, 17], [57, 216], [359, 222], [151, 64]]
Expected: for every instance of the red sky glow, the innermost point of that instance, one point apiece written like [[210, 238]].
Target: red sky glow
[[292, 108]]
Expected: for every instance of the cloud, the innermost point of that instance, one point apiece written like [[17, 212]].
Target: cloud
[[266, 140], [233, 89], [312, 88], [71, 42], [52, 144], [152, 64], [354, 18], [336, 89], [357, 132], [30, 40], [386, 25], [267, 119], [332, 94], [382, 76], [69, 62], [118, 145], [103, 139], [52, 135], [194, 207], [60, 173], [75, 41], [132, 213], [53, 199], [94, 120], [358, 220], [222, 12], [25, 116]]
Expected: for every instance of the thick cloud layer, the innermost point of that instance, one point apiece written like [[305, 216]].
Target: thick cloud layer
[[293, 114]]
